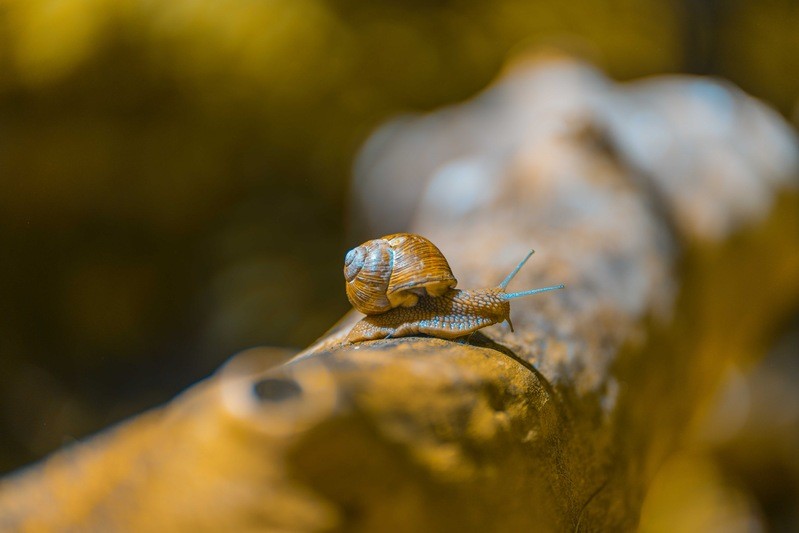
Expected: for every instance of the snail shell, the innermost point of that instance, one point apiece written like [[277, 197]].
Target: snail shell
[[393, 271]]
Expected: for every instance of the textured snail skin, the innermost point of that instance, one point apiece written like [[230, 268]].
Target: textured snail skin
[[454, 314]]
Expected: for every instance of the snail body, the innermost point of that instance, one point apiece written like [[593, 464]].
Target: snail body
[[448, 314], [454, 314]]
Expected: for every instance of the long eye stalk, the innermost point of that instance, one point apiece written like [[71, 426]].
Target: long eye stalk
[[512, 295], [515, 270]]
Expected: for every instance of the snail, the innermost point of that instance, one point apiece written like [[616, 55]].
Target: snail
[[428, 301]]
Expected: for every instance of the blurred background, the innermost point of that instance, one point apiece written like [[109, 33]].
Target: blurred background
[[175, 179]]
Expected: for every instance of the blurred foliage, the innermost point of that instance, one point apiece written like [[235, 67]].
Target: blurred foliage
[[174, 173]]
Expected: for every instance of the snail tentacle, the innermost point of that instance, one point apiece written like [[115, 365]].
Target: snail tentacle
[[512, 295], [515, 270]]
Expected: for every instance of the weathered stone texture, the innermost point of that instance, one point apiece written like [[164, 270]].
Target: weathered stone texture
[[664, 207]]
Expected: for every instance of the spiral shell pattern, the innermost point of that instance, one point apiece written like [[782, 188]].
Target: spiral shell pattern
[[394, 271]]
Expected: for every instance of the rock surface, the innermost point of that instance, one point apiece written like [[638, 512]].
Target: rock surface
[[558, 426]]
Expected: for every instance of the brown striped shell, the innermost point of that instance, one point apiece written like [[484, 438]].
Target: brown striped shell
[[394, 271]]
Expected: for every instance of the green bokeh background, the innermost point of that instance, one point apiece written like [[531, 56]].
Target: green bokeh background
[[174, 174]]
